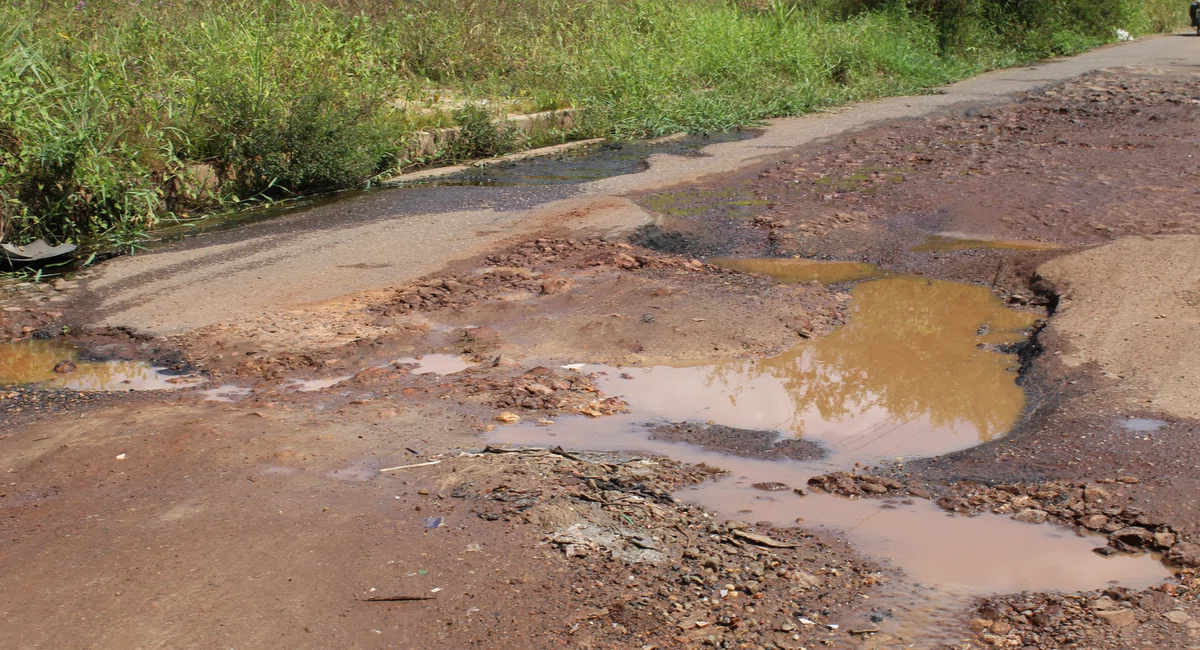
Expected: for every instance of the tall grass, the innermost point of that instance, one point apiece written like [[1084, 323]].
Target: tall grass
[[116, 115]]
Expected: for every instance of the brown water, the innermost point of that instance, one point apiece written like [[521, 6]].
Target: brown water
[[800, 270], [905, 377], [957, 242], [436, 364], [33, 362]]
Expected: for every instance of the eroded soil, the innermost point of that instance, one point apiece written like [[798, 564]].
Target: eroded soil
[[329, 486]]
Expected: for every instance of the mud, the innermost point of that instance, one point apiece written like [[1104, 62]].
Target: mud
[[58, 364]]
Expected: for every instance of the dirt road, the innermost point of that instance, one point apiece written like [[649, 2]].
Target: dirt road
[[918, 373], [389, 237]]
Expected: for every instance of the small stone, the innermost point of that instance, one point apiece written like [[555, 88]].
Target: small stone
[[1178, 616], [1164, 540], [980, 624], [1185, 554], [1095, 495], [1118, 618], [1093, 522], [787, 627], [1133, 536], [1031, 516], [1128, 479], [508, 417]]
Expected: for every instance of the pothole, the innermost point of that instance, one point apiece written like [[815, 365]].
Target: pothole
[[56, 364], [436, 364], [918, 370], [959, 241]]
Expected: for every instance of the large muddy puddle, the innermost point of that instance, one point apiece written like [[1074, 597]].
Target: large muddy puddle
[[918, 370], [58, 365]]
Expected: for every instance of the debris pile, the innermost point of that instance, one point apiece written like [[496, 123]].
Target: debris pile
[[686, 577]]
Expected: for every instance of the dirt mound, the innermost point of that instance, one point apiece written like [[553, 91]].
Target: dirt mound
[[1131, 308]]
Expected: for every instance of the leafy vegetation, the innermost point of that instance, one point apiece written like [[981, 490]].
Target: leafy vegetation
[[118, 115]]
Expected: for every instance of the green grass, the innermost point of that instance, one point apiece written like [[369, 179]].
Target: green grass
[[119, 115]]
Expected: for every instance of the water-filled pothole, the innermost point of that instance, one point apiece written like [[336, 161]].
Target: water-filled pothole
[[585, 164], [914, 372], [958, 242], [800, 270], [57, 364]]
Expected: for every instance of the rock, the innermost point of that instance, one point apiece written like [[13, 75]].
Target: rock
[[1118, 618], [954, 504], [1133, 536], [1178, 616], [1185, 554], [980, 624], [1164, 540], [770, 486], [806, 579], [1128, 479], [873, 488], [1093, 522], [1104, 604], [1095, 495], [919, 492], [551, 286], [61, 285], [1031, 516], [1002, 627], [508, 417], [65, 366]]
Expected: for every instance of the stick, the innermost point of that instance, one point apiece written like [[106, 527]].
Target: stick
[[393, 599], [392, 469]]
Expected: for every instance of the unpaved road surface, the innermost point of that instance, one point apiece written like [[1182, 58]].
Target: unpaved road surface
[[983, 437], [393, 236]]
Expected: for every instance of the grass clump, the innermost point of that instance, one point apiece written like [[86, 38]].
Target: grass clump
[[118, 115]]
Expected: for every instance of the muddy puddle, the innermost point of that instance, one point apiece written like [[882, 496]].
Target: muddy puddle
[[584, 164], [435, 364], [915, 372], [800, 270], [58, 365], [503, 187], [959, 241]]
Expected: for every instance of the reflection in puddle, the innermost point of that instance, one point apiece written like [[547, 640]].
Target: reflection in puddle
[[225, 393], [313, 385], [906, 376], [34, 362], [437, 364], [956, 242], [1142, 425], [800, 270]]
